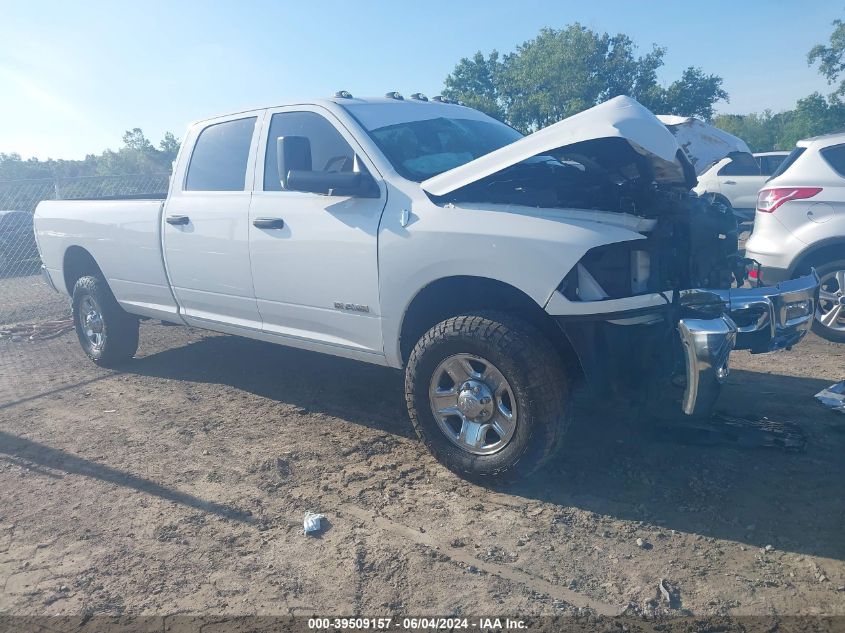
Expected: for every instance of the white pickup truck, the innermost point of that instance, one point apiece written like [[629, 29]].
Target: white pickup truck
[[497, 270]]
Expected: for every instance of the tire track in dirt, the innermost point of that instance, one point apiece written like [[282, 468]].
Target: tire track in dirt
[[502, 571]]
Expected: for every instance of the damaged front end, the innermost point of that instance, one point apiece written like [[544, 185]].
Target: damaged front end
[[644, 328], [654, 316]]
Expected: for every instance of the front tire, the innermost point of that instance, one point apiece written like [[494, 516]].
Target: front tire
[[488, 396], [108, 334], [829, 322]]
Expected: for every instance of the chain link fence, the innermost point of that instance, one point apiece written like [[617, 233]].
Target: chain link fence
[[24, 298]]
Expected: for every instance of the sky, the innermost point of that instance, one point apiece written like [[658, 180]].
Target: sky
[[75, 75]]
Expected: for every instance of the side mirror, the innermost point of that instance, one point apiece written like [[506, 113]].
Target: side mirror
[[292, 153], [333, 183]]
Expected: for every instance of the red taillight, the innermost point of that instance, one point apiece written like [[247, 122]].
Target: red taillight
[[770, 199]]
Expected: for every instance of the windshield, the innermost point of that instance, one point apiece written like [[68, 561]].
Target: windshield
[[421, 149]]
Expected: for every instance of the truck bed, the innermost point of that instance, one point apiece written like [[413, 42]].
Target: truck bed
[[122, 235]]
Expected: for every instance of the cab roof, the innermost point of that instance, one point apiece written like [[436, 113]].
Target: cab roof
[[332, 102]]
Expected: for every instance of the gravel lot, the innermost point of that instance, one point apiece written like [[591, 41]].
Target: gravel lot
[[179, 484]]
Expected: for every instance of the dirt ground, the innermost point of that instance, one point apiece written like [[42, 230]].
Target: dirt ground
[[178, 485]]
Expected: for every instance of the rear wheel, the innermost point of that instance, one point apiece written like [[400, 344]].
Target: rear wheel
[[830, 317], [107, 333], [488, 395]]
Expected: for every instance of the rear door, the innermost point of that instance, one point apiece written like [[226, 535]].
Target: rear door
[[314, 257], [740, 180], [206, 224]]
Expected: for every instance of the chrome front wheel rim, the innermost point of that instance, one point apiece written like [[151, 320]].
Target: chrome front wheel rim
[[91, 322], [473, 404], [831, 312]]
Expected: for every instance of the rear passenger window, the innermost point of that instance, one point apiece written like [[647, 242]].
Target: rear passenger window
[[220, 155], [835, 156], [329, 150], [770, 164], [741, 165]]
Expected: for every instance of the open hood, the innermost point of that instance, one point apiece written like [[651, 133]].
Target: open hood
[[618, 118], [702, 143]]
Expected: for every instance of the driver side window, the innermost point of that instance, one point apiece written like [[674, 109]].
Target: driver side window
[[329, 150]]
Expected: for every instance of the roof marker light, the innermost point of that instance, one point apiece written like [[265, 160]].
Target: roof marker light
[[343, 94], [418, 96], [395, 95]]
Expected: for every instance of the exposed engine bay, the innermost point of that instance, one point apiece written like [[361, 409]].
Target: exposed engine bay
[[694, 243]]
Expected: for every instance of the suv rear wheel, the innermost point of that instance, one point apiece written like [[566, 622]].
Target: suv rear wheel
[[488, 396], [830, 317]]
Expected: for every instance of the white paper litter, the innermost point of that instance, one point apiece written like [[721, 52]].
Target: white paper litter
[[311, 522], [833, 397]]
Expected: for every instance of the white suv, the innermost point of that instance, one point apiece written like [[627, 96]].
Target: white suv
[[735, 180], [800, 223]]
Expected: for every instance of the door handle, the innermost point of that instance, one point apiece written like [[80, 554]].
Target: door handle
[[268, 223], [730, 182], [177, 220]]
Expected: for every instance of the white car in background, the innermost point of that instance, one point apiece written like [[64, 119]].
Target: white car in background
[[735, 179], [800, 223]]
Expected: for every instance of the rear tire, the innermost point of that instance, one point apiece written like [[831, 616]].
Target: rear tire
[[511, 368], [832, 276], [107, 333]]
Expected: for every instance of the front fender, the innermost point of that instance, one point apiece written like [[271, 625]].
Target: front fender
[[529, 249]]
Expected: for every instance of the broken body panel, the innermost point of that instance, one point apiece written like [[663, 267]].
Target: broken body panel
[[661, 310]]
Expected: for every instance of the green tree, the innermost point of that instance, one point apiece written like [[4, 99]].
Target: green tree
[[694, 94], [812, 116], [135, 140], [831, 57], [562, 72], [473, 82], [169, 147], [760, 131]]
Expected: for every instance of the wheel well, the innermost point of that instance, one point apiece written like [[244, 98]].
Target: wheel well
[[452, 296], [78, 263], [718, 197], [831, 251]]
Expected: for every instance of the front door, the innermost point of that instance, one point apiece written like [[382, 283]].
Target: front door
[[314, 257], [205, 226]]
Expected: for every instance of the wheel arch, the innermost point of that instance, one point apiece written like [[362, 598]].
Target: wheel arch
[[77, 263], [722, 199], [450, 296], [831, 249]]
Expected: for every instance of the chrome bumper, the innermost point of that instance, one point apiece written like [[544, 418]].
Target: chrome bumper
[[773, 317], [757, 319], [707, 345]]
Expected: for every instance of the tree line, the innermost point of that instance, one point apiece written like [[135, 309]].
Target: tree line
[[137, 156], [561, 72], [555, 75]]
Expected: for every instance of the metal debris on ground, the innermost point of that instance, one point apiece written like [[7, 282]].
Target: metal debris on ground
[[312, 522], [721, 428], [667, 597], [41, 331], [833, 397]]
